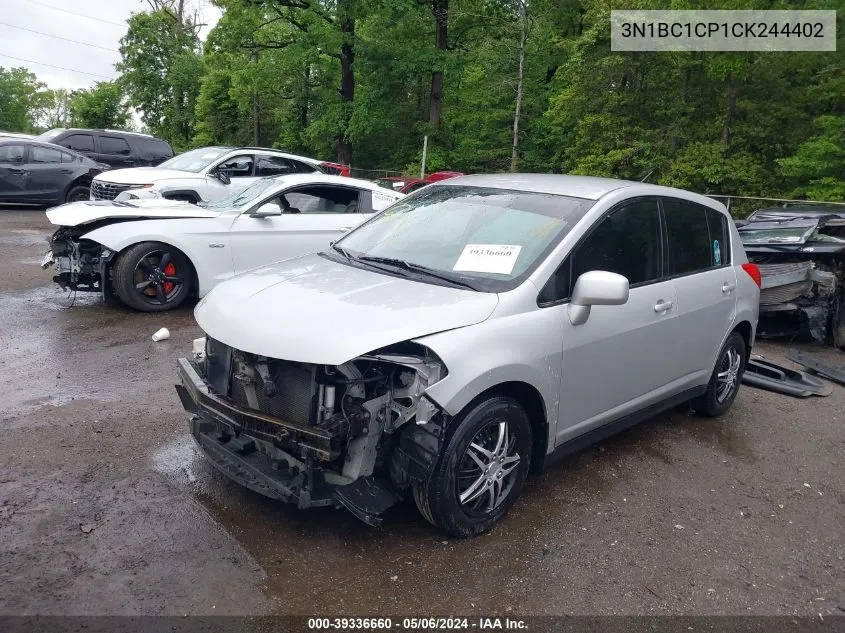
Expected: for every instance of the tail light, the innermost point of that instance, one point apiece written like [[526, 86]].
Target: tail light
[[753, 272]]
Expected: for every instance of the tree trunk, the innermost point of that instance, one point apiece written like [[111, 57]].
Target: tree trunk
[[519, 85], [440, 8], [731, 91], [256, 120], [346, 11]]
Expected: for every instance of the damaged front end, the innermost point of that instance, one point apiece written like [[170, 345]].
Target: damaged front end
[[801, 257], [81, 264], [356, 435]]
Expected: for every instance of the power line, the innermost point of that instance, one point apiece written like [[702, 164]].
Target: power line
[[59, 37], [73, 70], [79, 15]]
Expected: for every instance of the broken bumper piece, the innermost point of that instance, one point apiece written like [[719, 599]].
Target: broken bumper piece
[[254, 450]]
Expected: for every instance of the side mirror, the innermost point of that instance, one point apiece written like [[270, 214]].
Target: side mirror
[[223, 177], [266, 210], [596, 288]]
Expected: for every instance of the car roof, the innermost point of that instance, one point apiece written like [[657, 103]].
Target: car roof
[[10, 140], [277, 152], [587, 187], [289, 180], [107, 130]]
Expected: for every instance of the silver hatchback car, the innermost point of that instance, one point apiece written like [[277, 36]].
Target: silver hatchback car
[[468, 335]]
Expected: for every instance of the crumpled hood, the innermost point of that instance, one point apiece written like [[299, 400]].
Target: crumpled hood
[[314, 310], [144, 175], [77, 213]]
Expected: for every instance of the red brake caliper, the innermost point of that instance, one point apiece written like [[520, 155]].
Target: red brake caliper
[[169, 270]]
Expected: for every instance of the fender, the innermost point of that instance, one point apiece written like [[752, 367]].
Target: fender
[[192, 236], [492, 365]]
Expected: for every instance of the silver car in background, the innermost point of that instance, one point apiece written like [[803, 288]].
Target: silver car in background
[[471, 333]]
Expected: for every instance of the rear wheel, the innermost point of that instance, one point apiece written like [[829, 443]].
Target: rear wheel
[[153, 277], [78, 193], [725, 380], [481, 471]]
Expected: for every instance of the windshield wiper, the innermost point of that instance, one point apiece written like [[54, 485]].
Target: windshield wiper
[[342, 251], [417, 268]]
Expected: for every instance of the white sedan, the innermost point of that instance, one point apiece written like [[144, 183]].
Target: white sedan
[[153, 254]]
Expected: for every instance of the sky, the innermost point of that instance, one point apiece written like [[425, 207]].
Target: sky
[[96, 25]]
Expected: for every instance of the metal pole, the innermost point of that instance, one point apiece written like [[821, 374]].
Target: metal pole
[[425, 154]]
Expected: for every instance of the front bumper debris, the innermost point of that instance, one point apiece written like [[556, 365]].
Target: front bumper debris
[[198, 399], [246, 445]]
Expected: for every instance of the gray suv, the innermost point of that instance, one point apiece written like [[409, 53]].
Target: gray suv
[[471, 333]]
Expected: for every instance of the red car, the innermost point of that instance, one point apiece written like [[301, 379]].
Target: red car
[[334, 169], [407, 185]]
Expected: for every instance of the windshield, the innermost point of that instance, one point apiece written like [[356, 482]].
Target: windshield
[[196, 160], [490, 239], [243, 197]]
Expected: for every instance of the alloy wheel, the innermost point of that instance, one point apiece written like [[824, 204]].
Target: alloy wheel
[[487, 469], [156, 277], [728, 376]]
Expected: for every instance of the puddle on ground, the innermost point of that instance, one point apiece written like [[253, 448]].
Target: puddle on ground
[[178, 459]]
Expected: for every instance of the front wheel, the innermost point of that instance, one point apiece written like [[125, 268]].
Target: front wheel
[[724, 382], [153, 277], [78, 193], [481, 471]]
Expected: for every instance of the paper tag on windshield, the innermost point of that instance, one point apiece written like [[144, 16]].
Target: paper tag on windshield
[[488, 258]]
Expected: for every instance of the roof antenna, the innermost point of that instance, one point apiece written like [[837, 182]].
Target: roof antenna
[[645, 178]]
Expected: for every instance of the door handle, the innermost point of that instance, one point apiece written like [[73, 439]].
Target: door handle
[[728, 288], [67, 171], [18, 172], [662, 306], [344, 229]]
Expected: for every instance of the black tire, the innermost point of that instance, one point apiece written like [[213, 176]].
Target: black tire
[[458, 469], [721, 390], [78, 193], [153, 277]]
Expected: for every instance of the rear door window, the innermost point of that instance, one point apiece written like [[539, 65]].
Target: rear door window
[[697, 237], [45, 155], [67, 157], [114, 145], [273, 166], [78, 142]]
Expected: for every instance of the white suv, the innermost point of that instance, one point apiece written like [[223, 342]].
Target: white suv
[[201, 175]]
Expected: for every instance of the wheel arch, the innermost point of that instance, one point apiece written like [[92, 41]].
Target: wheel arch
[[83, 180], [532, 401], [747, 332], [122, 251]]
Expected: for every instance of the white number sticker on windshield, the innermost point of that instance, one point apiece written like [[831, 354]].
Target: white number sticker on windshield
[[488, 258]]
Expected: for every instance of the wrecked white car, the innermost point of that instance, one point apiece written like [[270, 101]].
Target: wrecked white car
[[800, 252], [154, 254]]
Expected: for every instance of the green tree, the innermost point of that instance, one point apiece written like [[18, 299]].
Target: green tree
[[103, 106], [22, 98], [161, 70], [819, 163]]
